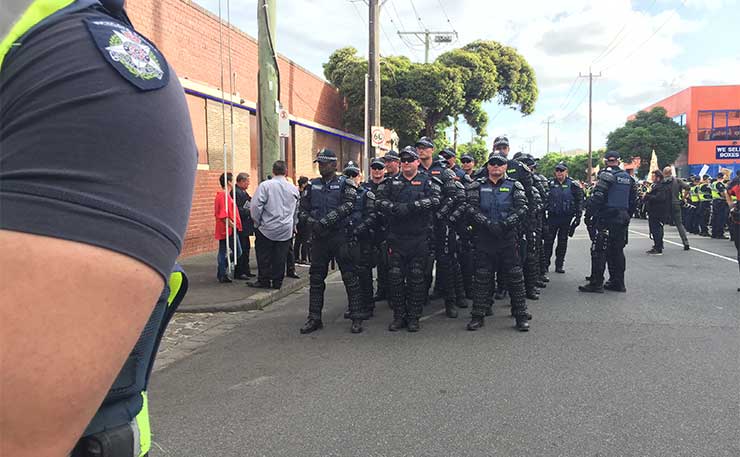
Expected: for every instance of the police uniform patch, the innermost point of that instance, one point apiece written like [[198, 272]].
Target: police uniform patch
[[135, 58], [416, 183]]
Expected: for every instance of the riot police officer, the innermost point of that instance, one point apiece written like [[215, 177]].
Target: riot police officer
[[408, 202], [532, 231], [468, 164], [325, 205], [496, 205], [450, 157], [564, 214], [361, 245], [392, 163], [608, 212], [543, 186], [453, 193], [377, 228]]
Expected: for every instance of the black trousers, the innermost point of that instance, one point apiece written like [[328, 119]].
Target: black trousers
[[407, 277], [323, 250], [270, 259], [557, 231], [290, 259], [301, 245], [656, 231], [607, 247], [504, 261], [720, 211], [242, 263]]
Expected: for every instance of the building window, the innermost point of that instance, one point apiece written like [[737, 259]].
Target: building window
[[718, 125], [680, 119]]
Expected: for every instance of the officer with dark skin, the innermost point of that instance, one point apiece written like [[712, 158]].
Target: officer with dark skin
[[361, 245], [325, 205], [608, 212], [408, 202], [564, 214], [495, 206]]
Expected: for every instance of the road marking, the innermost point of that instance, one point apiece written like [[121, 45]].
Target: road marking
[[692, 248], [432, 315]]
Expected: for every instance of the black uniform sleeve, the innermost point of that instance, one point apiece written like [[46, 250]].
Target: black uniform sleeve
[[519, 214], [578, 198], [304, 207], [349, 194], [86, 155]]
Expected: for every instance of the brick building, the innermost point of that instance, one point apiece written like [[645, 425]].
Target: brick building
[[711, 115], [188, 35]]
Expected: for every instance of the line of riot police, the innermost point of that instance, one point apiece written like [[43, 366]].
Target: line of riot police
[[487, 233]]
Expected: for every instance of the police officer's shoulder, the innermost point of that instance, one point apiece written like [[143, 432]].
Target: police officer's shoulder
[[607, 176], [436, 180], [369, 194], [517, 185], [449, 174], [350, 182]]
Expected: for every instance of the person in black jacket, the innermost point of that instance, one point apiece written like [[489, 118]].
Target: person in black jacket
[[243, 200], [658, 203]]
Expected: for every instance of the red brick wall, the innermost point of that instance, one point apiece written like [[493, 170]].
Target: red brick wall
[[188, 36]]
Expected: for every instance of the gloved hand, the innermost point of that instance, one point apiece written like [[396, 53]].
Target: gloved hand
[[400, 209], [480, 220]]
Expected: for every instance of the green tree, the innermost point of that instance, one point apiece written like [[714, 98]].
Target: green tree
[[577, 165], [476, 147], [418, 99], [648, 131]]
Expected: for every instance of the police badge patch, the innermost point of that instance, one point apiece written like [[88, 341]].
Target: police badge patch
[[135, 58]]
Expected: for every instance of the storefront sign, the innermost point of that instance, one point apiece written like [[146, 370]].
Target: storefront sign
[[728, 152]]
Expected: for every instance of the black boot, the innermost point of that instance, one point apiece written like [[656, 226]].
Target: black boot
[[559, 269], [540, 283], [591, 287], [489, 311], [615, 287], [532, 295], [499, 295], [522, 323], [475, 323], [379, 295], [544, 278], [311, 325], [356, 326], [413, 325], [450, 311], [397, 324], [461, 303]]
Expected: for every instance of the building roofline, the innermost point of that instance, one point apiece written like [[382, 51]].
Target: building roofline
[[193, 4]]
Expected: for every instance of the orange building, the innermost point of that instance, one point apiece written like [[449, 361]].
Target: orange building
[[712, 116]]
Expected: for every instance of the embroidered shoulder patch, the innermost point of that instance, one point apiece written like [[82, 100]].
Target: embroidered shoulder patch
[[133, 56]]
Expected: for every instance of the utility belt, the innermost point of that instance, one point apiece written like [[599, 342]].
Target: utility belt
[[120, 441]]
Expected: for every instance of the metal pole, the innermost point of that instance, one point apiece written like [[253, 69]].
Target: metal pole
[[269, 90], [590, 123], [373, 98], [426, 46], [366, 144]]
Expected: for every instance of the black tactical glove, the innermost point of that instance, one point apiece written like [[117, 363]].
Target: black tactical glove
[[401, 209]]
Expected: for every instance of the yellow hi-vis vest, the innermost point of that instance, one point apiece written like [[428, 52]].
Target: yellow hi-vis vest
[[694, 193]]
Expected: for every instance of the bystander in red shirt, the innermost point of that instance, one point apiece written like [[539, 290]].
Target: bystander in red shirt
[[222, 210]]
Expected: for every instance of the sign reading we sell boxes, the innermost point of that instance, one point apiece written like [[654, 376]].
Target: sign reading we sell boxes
[[728, 152]]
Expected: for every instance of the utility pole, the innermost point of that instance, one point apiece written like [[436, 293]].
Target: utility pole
[[529, 141], [426, 35], [373, 94], [590, 77], [268, 80], [548, 122]]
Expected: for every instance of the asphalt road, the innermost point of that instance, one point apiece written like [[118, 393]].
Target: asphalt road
[[653, 372]]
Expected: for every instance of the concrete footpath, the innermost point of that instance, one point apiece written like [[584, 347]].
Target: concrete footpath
[[207, 295]]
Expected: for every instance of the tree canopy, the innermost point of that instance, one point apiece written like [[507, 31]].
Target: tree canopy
[[417, 98], [577, 165], [476, 147], [649, 130]]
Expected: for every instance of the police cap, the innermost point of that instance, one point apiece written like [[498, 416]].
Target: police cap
[[409, 151], [561, 166], [424, 142], [467, 157], [500, 141], [497, 159], [326, 155], [448, 153], [391, 156], [611, 155], [377, 163]]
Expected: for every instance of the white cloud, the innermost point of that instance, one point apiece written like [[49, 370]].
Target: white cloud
[[638, 52]]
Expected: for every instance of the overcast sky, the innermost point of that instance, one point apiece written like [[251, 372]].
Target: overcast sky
[[645, 50]]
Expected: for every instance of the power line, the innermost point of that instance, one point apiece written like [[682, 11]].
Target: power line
[[642, 45], [441, 6], [609, 49], [571, 92], [416, 13]]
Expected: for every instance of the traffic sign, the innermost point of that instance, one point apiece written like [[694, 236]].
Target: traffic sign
[[377, 136], [284, 123]]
